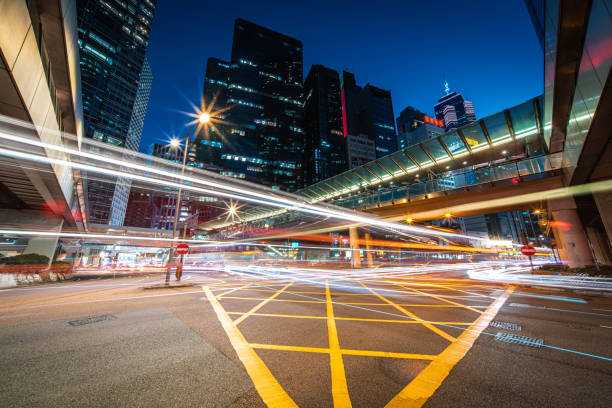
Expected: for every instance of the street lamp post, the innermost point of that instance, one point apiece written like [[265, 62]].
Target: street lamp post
[[202, 119]]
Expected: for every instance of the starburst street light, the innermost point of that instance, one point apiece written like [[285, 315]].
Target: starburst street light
[[175, 142], [204, 117]]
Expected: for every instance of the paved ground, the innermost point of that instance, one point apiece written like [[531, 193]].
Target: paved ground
[[303, 337]]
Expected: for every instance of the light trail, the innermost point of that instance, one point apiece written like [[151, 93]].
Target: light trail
[[264, 199]]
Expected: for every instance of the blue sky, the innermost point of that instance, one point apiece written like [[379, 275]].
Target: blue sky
[[486, 50]]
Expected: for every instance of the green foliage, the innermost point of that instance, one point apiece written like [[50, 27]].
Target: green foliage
[[25, 259]]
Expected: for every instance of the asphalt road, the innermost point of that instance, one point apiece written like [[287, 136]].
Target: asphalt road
[[305, 338]]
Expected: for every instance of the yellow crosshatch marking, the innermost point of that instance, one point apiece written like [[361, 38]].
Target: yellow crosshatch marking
[[415, 394]]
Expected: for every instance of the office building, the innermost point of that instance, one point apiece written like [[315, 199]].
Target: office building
[[116, 82], [415, 127], [324, 144], [368, 110], [454, 110], [261, 137], [360, 150]]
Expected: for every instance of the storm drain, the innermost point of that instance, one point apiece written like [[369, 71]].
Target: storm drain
[[506, 325], [91, 319], [521, 340]]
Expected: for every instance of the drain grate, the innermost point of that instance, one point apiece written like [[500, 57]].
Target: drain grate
[[506, 325], [516, 339], [91, 319]]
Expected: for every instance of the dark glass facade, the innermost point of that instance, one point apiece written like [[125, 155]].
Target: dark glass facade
[[261, 137], [324, 144], [369, 110], [113, 37]]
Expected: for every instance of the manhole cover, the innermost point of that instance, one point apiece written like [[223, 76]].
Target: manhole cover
[[516, 339], [506, 325], [91, 319]]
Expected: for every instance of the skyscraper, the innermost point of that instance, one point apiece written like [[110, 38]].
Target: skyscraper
[[116, 82], [415, 127], [454, 110], [324, 146], [368, 110], [261, 137]]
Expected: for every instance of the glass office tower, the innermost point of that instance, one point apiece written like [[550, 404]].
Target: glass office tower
[[261, 137], [324, 145], [116, 81], [368, 111]]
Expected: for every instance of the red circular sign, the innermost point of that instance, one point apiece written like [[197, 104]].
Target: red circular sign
[[528, 250], [182, 249]]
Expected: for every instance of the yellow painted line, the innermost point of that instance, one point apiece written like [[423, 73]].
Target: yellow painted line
[[261, 304], [272, 394], [448, 301], [427, 382], [359, 319], [374, 353], [406, 312], [339, 387], [289, 348], [293, 291], [280, 315], [366, 353], [275, 300]]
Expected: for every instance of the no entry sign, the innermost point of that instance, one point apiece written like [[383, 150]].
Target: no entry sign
[[182, 249], [528, 250]]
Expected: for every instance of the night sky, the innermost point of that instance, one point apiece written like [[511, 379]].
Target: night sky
[[485, 49]]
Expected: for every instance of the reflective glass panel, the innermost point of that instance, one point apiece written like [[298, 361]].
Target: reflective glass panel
[[403, 160], [353, 178], [523, 120], [454, 143], [474, 137], [419, 155], [436, 150], [497, 127], [390, 165], [365, 174], [376, 169]]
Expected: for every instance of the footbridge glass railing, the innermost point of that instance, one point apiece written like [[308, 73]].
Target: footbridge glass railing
[[456, 181]]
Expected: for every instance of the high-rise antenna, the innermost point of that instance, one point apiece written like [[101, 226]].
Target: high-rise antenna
[[446, 88]]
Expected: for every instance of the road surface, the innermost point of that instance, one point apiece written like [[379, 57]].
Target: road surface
[[307, 338]]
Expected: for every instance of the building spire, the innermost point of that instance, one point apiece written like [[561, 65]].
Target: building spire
[[446, 88]]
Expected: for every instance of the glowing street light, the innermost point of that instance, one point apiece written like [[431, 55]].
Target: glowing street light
[[232, 210], [204, 117], [448, 215], [409, 220], [175, 143]]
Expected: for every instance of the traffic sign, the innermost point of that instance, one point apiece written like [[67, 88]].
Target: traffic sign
[[182, 249], [528, 250]]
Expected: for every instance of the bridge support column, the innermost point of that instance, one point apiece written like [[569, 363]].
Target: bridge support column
[[369, 255], [29, 219], [354, 243], [604, 205], [569, 232]]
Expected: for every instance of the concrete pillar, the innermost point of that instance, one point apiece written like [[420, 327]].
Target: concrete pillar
[[354, 244], [31, 219], [599, 244], [571, 238], [603, 201], [45, 245], [369, 255]]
